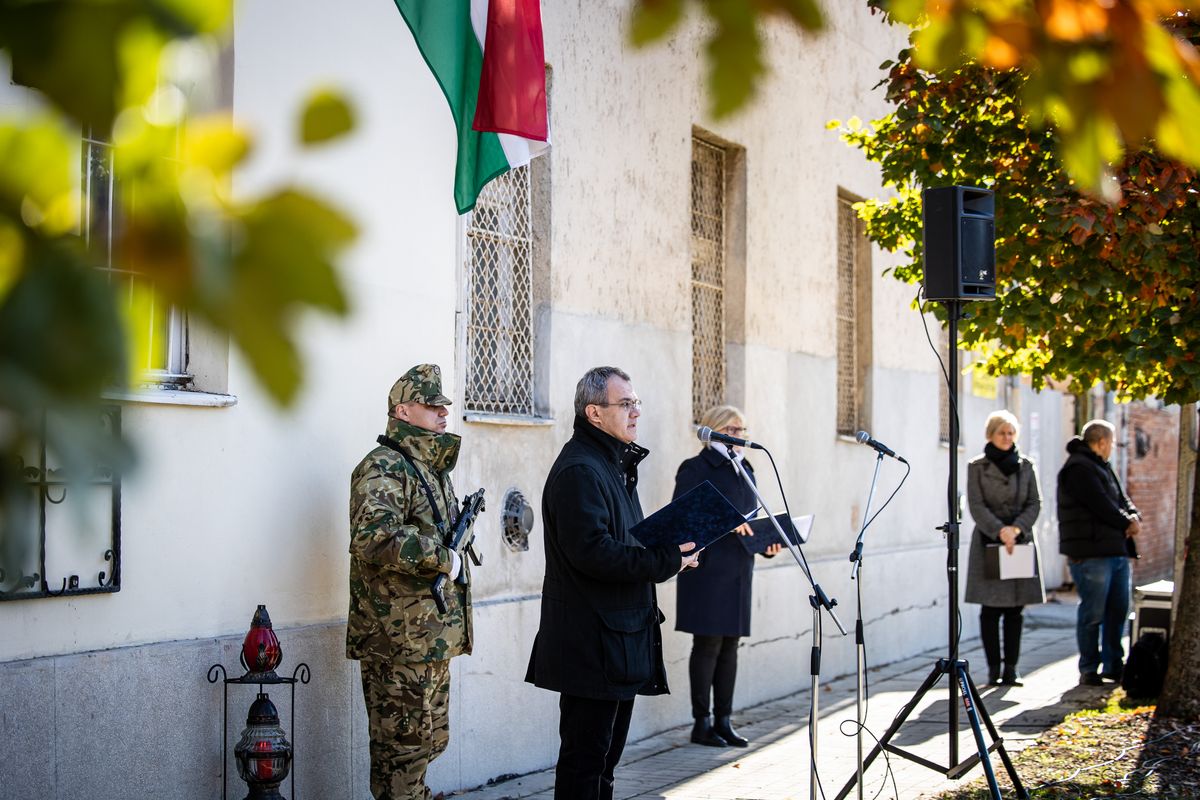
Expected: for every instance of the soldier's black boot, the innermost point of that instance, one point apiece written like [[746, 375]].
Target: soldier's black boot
[[703, 733], [725, 730]]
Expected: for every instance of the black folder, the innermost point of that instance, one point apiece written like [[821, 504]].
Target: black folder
[[765, 534], [701, 515]]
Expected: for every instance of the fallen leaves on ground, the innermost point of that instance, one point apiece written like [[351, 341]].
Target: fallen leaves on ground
[[1106, 754]]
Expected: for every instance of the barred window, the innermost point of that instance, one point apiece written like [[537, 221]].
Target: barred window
[[708, 276], [853, 319], [498, 302]]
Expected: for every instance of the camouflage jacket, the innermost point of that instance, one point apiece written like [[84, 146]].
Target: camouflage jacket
[[396, 552]]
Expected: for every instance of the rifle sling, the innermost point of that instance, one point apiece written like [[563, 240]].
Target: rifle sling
[[392, 444]]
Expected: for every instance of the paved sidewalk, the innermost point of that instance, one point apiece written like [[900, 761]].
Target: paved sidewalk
[[776, 765]]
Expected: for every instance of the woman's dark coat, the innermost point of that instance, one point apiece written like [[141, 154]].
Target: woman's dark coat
[[1093, 509], [996, 500], [600, 635], [714, 598]]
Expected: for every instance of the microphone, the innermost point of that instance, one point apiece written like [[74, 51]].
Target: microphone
[[707, 434], [865, 438]]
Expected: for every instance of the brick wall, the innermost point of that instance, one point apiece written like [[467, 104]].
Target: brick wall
[[1153, 453]]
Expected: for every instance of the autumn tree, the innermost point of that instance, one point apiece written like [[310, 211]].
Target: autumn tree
[[1087, 290]]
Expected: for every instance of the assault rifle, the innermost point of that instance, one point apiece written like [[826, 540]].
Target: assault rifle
[[461, 538]]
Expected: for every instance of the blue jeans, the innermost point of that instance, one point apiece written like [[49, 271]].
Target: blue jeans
[[1103, 586]]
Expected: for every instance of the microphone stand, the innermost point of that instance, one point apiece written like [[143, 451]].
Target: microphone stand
[[817, 600], [859, 638]]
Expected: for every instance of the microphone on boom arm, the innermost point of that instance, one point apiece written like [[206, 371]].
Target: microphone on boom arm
[[865, 438], [707, 434]]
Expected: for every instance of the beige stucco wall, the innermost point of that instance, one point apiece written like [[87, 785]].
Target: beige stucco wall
[[244, 505]]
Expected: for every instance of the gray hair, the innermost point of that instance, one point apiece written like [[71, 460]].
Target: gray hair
[[592, 388], [1097, 431]]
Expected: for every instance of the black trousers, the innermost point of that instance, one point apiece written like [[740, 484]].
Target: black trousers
[[989, 632], [712, 669], [591, 739]]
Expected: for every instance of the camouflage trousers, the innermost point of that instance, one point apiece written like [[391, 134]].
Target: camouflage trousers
[[408, 710]]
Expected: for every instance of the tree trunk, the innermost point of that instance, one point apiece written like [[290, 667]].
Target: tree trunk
[[1181, 692]]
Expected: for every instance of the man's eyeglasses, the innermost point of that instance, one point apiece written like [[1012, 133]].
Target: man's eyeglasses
[[626, 405]]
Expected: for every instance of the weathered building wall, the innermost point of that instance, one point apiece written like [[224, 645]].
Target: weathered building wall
[[244, 505]]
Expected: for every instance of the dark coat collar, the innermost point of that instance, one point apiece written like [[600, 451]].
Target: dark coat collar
[[714, 458], [624, 456], [1078, 447]]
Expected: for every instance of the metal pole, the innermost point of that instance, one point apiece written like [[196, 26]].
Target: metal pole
[[814, 724], [952, 539]]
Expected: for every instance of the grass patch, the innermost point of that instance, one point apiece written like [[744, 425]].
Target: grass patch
[[1119, 750]]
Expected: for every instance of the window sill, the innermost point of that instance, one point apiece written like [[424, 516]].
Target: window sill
[[842, 437], [505, 419], [172, 397]]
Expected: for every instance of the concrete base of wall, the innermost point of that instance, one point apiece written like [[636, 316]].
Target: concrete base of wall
[[145, 722]]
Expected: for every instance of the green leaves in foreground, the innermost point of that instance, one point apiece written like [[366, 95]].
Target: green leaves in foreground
[[84, 282], [734, 49], [326, 117], [1109, 77]]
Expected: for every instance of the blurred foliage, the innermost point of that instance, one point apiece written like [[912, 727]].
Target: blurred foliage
[[127, 72], [734, 47], [1085, 290], [1107, 75]]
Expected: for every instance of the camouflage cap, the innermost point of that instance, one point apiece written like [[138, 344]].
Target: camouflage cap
[[422, 383]]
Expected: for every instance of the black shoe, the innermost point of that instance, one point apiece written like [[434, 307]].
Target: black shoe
[[703, 733], [725, 730], [1090, 679], [1115, 677], [993, 675], [1011, 677]]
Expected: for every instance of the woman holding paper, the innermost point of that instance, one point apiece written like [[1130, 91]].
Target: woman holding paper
[[713, 600], [1002, 493]]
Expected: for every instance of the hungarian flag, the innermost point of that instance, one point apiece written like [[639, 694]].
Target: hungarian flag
[[487, 56]]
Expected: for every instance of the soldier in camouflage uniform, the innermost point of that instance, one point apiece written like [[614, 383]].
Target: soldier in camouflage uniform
[[396, 551]]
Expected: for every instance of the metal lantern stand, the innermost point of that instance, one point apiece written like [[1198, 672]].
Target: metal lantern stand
[[217, 672]]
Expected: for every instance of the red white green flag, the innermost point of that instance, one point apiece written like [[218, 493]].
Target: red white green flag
[[488, 58]]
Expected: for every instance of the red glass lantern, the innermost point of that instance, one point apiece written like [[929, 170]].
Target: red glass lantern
[[261, 652], [263, 754]]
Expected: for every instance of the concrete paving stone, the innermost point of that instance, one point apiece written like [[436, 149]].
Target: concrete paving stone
[[776, 765]]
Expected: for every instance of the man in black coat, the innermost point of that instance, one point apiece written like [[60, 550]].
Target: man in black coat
[[599, 643], [1096, 526]]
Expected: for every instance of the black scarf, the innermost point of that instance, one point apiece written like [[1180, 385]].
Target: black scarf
[[1007, 461]]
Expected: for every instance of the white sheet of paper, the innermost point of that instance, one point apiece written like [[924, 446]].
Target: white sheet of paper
[[1018, 565]]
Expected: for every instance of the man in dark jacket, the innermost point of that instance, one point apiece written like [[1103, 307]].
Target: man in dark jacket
[[599, 643], [1096, 526]]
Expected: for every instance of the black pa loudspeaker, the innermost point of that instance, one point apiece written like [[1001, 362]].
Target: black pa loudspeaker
[[960, 243]]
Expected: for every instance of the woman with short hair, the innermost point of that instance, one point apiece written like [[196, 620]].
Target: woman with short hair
[[713, 600], [1002, 493]]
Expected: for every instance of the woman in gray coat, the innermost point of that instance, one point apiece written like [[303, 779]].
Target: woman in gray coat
[[1002, 492]]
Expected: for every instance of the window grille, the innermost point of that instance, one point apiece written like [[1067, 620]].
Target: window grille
[[708, 276], [849, 387], [166, 355], [72, 543], [499, 298]]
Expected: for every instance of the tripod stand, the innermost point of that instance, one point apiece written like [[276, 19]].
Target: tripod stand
[[956, 669], [818, 600]]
